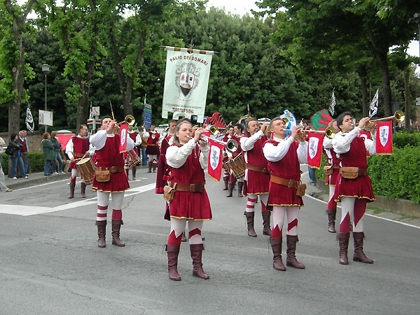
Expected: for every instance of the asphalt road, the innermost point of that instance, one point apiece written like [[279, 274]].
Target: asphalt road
[[50, 263]]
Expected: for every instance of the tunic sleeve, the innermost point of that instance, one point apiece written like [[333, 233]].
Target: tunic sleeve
[[204, 156], [69, 149], [176, 156], [302, 152], [248, 143], [275, 153], [98, 140], [342, 141]]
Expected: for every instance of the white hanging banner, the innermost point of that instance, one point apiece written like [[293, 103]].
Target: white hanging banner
[[186, 82], [45, 117]]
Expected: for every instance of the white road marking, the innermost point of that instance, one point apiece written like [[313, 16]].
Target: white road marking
[[34, 210]]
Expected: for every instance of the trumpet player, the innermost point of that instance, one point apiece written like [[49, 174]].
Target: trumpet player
[[284, 156], [256, 178], [331, 176], [110, 161], [152, 149], [354, 187]]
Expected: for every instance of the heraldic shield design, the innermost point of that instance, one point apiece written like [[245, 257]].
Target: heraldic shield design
[[187, 77], [214, 155], [384, 134], [313, 146]]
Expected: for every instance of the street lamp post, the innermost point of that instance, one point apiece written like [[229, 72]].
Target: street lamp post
[[45, 69]]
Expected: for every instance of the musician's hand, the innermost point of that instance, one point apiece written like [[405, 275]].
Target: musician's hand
[[295, 131], [197, 134], [363, 122], [264, 126]]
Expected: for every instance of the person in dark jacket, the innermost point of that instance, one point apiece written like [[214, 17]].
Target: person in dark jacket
[[16, 157], [49, 153]]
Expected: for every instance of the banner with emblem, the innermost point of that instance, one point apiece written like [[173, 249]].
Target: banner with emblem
[[384, 137], [215, 163], [186, 82], [321, 119], [315, 141], [123, 137]]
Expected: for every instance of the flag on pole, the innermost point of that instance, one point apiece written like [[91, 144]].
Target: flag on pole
[[314, 154], [29, 120], [332, 105], [321, 119], [384, 137], [374, 105], [215, 159]]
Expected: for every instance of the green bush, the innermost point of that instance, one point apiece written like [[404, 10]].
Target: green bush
[[36, 162], [402, 139]]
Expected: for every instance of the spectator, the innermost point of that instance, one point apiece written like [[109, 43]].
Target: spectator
[[58, 161], [16, 157], [49, 154], [24, 149], [3, 186]]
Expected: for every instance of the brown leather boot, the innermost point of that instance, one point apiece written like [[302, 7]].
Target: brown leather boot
[[101, 233], [134, 172], [250, 223], [196, 255], [266, 222], [331, 220], [72, 186], [359, 255], [230, 190], [83, 190], [291, 250], [226, 181], [173, 252], [276, 247], [150, 167], [116, 226], [240, 186], [343, 241]]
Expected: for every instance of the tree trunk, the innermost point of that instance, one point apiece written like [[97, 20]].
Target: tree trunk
[[363, 87], [407, 111]]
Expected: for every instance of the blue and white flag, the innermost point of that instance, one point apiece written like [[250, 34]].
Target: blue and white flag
[[29, 120], [374, 105], [332, 105]]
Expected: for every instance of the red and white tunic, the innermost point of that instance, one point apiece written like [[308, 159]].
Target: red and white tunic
[[284, 158], [108, 155], [152, 142], [256, 183], [188, 163], [333, 160], [76, 148], [163, 170], [352, 151]]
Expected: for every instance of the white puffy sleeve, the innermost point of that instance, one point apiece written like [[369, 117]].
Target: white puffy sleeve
[[176, 156], [98, 139]]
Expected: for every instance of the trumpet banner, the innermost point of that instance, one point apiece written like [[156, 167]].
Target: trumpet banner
[[215, 163], [384, 137], [123, 137], [315, 141], [186, 82]]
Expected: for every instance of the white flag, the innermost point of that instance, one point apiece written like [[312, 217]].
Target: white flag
[[332, 105], [374, 105], [29, 120]]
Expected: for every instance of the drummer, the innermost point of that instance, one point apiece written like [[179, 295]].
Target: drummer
[[135, 136], [232, 135], [108, 157], [77, 148]]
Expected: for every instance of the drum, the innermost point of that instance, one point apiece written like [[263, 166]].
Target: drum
[[131, 159], [237, 165], [86, 170]]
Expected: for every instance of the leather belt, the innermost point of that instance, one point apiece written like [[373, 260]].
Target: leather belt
[[152, 145], [112, 169], [291, 183], [188, 187], [256, 168]]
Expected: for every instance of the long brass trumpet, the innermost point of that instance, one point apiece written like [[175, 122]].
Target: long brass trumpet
[[398, 116], [129, 120], [329, 132]]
